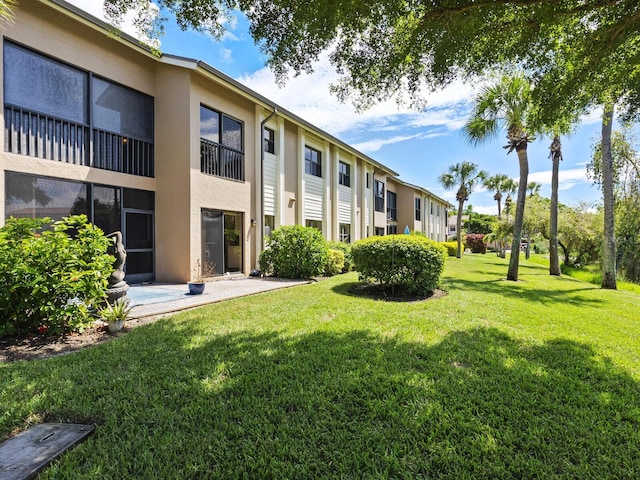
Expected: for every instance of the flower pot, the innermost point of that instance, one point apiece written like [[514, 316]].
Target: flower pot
[[196, 288], [115, 326]]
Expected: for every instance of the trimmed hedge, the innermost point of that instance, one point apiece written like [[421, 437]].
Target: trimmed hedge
[[475, 243], [51, 274], [335, 262], [345, 248], [294, 252], [452, 248], [407, 264]]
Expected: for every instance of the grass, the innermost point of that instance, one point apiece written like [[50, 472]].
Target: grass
[[589, 273], [534, 379]]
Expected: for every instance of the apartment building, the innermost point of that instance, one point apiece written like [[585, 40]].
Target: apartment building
[[192, 166], [416, 209]]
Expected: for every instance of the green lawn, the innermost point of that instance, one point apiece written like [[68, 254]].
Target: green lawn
[[534, 379]]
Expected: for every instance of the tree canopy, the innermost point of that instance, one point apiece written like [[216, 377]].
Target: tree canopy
[[576, 51]]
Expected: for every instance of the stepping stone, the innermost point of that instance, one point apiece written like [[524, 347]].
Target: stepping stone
[[24, 455]]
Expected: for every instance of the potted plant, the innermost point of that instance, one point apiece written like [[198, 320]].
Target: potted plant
[[115, 314], [196, 286]]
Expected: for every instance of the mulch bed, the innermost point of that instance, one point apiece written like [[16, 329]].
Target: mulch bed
[[387, 294], [33, 347]]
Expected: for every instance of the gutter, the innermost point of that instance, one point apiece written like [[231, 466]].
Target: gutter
[[261, 221]]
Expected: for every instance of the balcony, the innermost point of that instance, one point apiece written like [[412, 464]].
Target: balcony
[[221, 161]]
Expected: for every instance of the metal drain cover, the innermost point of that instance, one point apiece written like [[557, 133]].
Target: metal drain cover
[[24, 455]]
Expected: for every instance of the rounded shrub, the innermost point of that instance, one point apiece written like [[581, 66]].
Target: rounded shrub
[[51, 274], [294, 252], [475, 243], [452, 248], [345, 248], [335, 262], [409, 264]]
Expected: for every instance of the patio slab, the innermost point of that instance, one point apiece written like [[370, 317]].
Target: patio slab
[[151, 300]]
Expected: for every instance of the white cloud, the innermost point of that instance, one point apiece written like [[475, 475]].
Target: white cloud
[[376, 144], [308, 96], [226, 54], [566, 178], [486, 209]]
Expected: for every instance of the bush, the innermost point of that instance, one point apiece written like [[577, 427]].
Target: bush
[[452, 248], [51, 274], [475, 243], [335, 262], [345, 248], [294, 252], [409, 264]]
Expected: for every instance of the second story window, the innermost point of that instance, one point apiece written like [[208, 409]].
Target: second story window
[[221, 145], [269, 140], [58, 112], [379, 196], [344, 174], [312, 161], [417, 202], [391, 206]]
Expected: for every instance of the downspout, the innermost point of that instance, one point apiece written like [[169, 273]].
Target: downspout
[[261, 220]]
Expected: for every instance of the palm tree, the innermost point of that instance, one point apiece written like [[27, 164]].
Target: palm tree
[[465, 176], [496, 184], [506, 105], [533, 188], [500, 184], [555, 154]]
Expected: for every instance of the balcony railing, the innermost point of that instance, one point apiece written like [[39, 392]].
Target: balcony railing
[[43, 136], [221, 161], [51, 138], [122, 154]]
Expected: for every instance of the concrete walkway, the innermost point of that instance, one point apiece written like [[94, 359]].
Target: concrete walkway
[[159, 299]]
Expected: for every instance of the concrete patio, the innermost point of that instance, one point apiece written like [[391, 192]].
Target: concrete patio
[[150, 300]]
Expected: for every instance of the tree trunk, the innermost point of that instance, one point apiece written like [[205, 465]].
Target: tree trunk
[[514, 262], [554, 262], [459, 228], [567, 260], [609, 247]]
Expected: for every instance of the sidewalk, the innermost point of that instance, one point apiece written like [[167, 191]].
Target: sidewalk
[[160, 299]]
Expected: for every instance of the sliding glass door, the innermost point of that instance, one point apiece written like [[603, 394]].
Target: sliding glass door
[[222, 241]]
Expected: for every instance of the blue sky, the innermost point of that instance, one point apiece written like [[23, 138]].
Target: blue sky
[[417, 145]]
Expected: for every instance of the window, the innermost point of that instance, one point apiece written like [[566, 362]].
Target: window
[[109, 207], [392, 213], [29, 196], [392, 229], [431, 208], [417, 203], [367, 176], [317, 224], [269, 140], [344, 174], [379, 196], [312, 161], [345, 232], [269, 225], [379, 231], [51, 108], [221, 145]]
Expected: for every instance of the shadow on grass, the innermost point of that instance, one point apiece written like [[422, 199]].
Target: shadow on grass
[[516, 290], [478, 404]]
